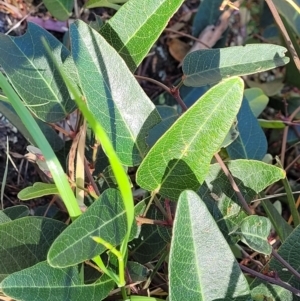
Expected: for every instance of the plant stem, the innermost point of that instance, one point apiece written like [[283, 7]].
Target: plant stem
[[290, 198], [285, 264], [233, 184], [271, 280], [284, 33]]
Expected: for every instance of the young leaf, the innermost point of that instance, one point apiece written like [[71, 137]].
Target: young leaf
[[133, 40], [209, 66], [105, 218], [180, 159], [112, 94], [202, 266], [37, 81], [37, 190], [254, 231], [25, 242], [42, 282]]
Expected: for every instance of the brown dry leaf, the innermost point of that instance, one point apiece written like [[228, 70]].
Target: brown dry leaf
[[178, 49]]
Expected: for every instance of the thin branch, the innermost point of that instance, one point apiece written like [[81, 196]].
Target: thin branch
[[269, 279], [234, 185]]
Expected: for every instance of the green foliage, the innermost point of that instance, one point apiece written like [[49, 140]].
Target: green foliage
[[156, 164]]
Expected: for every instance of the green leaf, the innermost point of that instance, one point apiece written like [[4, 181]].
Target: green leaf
[[37, 190], [112, 94], [133, 40], [283, 229], [25, 242], [104, 3], [270, 292], [60, 9], [255, 174], [209, 66], [222, 201], [251, 142], [257, 100], [37, 81], [180, 159], [254, 231], [4, 218], [199, 253], [271, 124], [105, 218], [16, 212], [42, 282]]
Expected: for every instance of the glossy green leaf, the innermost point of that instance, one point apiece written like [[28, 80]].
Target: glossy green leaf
[[180, 159], [60, 9], [254, 231], [133, 40], [37, 190], [257, 100], [25, 242], [105, 218], [144, 298], [37, 81], [199, 253], [112, 94], [251, 142], [43, 282], [209, 66], [16, 212]]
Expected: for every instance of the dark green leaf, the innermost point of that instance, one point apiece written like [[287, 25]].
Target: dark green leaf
[[251, 142], [199, 253], [209, 66], [133, 40], [43, 282], [25, 242], [180, 159], [113, 94], [37, 81], [16, 212], [105, 218]]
